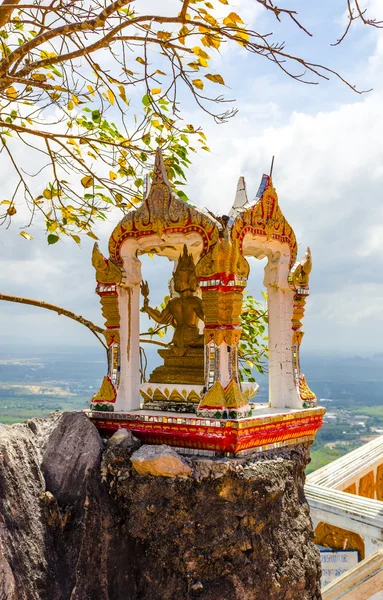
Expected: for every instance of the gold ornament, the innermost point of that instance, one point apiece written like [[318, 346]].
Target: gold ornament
[[301, 271], [367, 486], [108, 276], [107, 272], [169, 395], [230, 397], [106, 393], [351, 489], [304, 390], [225, 258], [379, 483], [163, 213], [112, 336], [266, 219], [338, 539]]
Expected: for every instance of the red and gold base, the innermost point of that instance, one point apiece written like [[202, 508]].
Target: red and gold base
[[232, 437]]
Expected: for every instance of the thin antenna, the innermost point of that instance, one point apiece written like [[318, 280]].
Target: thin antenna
[[271, 168], [146, 186]]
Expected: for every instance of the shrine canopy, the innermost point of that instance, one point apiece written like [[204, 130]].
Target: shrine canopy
[[199, 374]]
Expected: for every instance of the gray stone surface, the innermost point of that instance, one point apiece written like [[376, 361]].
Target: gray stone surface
[[77, 522]]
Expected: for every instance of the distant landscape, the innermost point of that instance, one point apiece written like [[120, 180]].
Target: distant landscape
[[35, 382]]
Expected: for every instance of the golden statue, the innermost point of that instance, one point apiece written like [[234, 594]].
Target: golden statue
[[183, 312], [184, 360]]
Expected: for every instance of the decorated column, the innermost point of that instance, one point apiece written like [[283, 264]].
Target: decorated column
[[109, 276], [222, 275], [299, 282]]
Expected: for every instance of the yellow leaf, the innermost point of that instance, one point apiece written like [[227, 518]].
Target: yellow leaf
[[164, 35], [52, 226], [91, 89], [198, 83], [26, 235], [5, 202], [223, 1], [112, 175], [76, 238], [111, 96], [211, 41], [140, 60], [215, 78], [194, 65], [11, 93], [92, 235], [11, 211], [39, 77], [199, 52], [158, 72], [87, 181], [211, 20], [47, 194], [75, 100], [232, 19], [241, 33], [156, 91], [209, 5], [183, 33], [123, 94], [70, 105]]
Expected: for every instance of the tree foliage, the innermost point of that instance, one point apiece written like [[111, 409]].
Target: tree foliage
[[253, 345], [91, 87]]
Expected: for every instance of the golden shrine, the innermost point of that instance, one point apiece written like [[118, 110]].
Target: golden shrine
[[196, 400]]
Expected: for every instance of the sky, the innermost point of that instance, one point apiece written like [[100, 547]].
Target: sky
[[328, 147]]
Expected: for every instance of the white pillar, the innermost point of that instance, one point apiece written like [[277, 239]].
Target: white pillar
[[224, 368], [282, 388], [128, 394]]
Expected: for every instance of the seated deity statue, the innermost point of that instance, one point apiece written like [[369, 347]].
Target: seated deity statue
[[184, 311]]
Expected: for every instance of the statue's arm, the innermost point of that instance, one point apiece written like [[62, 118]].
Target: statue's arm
[[163, 317], [199, 310]]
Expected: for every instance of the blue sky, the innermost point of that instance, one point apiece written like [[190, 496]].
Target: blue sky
[[328, 147]]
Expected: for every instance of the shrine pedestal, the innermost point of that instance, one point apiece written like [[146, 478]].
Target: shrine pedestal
[[267, 428]]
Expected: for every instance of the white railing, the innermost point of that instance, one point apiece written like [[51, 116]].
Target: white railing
[[349, 469], [353, 513], [363, 582]]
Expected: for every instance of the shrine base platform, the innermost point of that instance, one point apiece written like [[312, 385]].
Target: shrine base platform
[[267, 428]]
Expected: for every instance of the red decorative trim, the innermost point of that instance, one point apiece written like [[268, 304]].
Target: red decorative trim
[[234, 437], [135, 233]]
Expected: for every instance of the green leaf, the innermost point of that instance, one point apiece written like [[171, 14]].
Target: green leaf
[[182, 195], [52, 239], [146, 100]]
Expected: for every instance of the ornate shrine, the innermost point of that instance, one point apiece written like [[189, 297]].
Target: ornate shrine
[[195, 399]]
